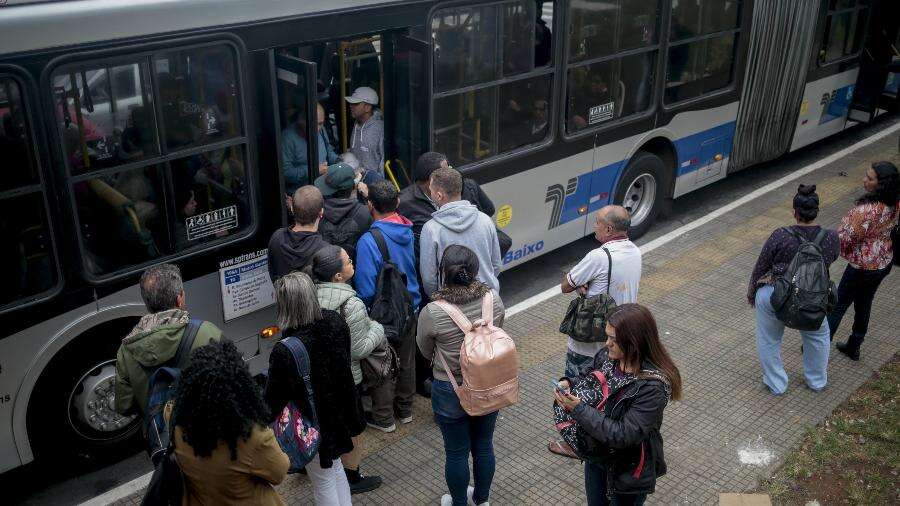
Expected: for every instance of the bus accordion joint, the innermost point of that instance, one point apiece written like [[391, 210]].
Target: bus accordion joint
[[269, 332]]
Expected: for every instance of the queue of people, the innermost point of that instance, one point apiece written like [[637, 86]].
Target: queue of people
[[446, 253]]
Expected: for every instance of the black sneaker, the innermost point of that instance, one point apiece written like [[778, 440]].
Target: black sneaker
[[846, 349], [360, 484]]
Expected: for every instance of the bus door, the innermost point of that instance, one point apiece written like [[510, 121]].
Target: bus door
[[295, 102], [407, 111]]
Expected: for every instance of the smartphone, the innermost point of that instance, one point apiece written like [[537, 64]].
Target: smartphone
[[555, 384]]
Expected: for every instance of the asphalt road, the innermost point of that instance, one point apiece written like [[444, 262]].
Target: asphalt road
[[52, 483]]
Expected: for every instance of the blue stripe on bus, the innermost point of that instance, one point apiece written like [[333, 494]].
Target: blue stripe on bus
[[698, 150], [694, 152]]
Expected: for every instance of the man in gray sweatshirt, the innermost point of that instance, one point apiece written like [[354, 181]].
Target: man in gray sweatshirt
[[456, 222]]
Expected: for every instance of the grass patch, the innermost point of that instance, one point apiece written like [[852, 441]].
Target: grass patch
[[853, 457]]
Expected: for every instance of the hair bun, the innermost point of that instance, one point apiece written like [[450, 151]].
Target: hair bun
[[806, 189], [462, 277]]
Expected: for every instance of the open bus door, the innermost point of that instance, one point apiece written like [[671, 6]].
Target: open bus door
[[408, 113], [295, 102]]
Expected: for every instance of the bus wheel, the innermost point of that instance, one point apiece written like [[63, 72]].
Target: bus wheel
[[640, 190], [73, 407]]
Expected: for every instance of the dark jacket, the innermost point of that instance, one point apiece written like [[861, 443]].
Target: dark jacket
[[338, 210], [472, 192], [328, 343], [625, 436], [290, 251], [417, 208]]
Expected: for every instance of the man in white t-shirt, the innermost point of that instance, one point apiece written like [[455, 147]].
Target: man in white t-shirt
[[589, 276]]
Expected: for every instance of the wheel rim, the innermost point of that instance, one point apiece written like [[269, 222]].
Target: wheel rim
[[640, 198], [92, 403]]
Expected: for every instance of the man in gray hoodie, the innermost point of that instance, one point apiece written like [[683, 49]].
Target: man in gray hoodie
[[456, 221]]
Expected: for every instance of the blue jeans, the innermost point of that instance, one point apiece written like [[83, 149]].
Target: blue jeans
[[577, 364], [595, 487], [464, 434], [770, 331]]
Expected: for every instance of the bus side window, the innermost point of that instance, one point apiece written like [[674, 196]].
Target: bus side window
[[845, 27], [134, 206], [104, 123], [493, 52], [26, 249], [602, 85], [703, 37]]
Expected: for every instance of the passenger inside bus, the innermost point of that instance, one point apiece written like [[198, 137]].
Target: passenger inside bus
[[295, 154]]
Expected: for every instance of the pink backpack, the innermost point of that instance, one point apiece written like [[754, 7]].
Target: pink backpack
[[488, 359]]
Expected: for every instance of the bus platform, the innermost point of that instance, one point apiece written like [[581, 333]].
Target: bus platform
[[726, 433]]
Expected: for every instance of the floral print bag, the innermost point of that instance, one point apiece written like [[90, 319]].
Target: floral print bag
[[298, 433]]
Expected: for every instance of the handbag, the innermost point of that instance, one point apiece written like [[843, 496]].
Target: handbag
[[298, 433], [593, 390], [585, 319], [381, 365], [505, 242]]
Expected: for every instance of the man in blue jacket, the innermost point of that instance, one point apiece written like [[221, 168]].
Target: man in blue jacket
[[390, 400]]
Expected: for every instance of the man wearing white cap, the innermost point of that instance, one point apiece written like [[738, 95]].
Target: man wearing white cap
[[367, 141]]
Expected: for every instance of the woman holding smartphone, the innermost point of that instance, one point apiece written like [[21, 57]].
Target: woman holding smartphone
[[625, 446]]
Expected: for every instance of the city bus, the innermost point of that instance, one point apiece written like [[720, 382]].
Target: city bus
[[141, 132]]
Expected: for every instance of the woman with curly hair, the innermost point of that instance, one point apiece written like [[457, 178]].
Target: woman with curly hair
[[866, 244], [222, 442], [326, 337]]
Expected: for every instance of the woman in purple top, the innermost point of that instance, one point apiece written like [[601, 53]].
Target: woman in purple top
[[773, 261]]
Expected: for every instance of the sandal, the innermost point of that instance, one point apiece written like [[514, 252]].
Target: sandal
[[560, 447]]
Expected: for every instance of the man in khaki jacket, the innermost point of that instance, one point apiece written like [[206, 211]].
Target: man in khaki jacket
[[154, 340]]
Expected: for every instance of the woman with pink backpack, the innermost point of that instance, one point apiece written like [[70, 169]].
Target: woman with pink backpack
[[482, 358]]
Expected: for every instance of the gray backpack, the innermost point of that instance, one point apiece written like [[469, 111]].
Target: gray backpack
[[804, 294]]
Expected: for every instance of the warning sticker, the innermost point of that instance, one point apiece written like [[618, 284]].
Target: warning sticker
[[600, 113], [504, 215], [246, 286], [211, 223]]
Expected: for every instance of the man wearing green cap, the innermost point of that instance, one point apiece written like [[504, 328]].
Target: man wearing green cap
[[345, 219]]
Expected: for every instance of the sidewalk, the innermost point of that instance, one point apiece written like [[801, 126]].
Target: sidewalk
[[726, 433]]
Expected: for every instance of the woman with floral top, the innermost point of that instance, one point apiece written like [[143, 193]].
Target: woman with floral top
[[865, 234]]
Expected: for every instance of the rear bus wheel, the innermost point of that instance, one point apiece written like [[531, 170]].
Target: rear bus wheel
[[640, 190]]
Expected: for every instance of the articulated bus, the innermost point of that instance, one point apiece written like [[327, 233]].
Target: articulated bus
[[142, 132]]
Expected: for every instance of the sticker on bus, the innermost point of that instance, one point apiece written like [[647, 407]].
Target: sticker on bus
[[211, 223], [245, 283], [600, 113]]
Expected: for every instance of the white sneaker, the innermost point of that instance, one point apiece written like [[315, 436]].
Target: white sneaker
[[470, 492], [446, 500]]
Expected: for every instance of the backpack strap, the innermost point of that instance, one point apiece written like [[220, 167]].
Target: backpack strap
[[382, 245], [447, 370], [608, 269], [487, 308], [456, 315], [301, 360], [187, 342], [820, 237]]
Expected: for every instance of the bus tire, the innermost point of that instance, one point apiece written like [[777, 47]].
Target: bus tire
[[640, 190], [77, 385]]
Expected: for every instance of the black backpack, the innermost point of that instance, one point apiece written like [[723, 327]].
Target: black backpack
[[344, 233], [804, 294], [392, 306], [166, 486]]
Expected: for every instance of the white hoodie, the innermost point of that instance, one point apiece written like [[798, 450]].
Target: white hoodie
[[461, 223]]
